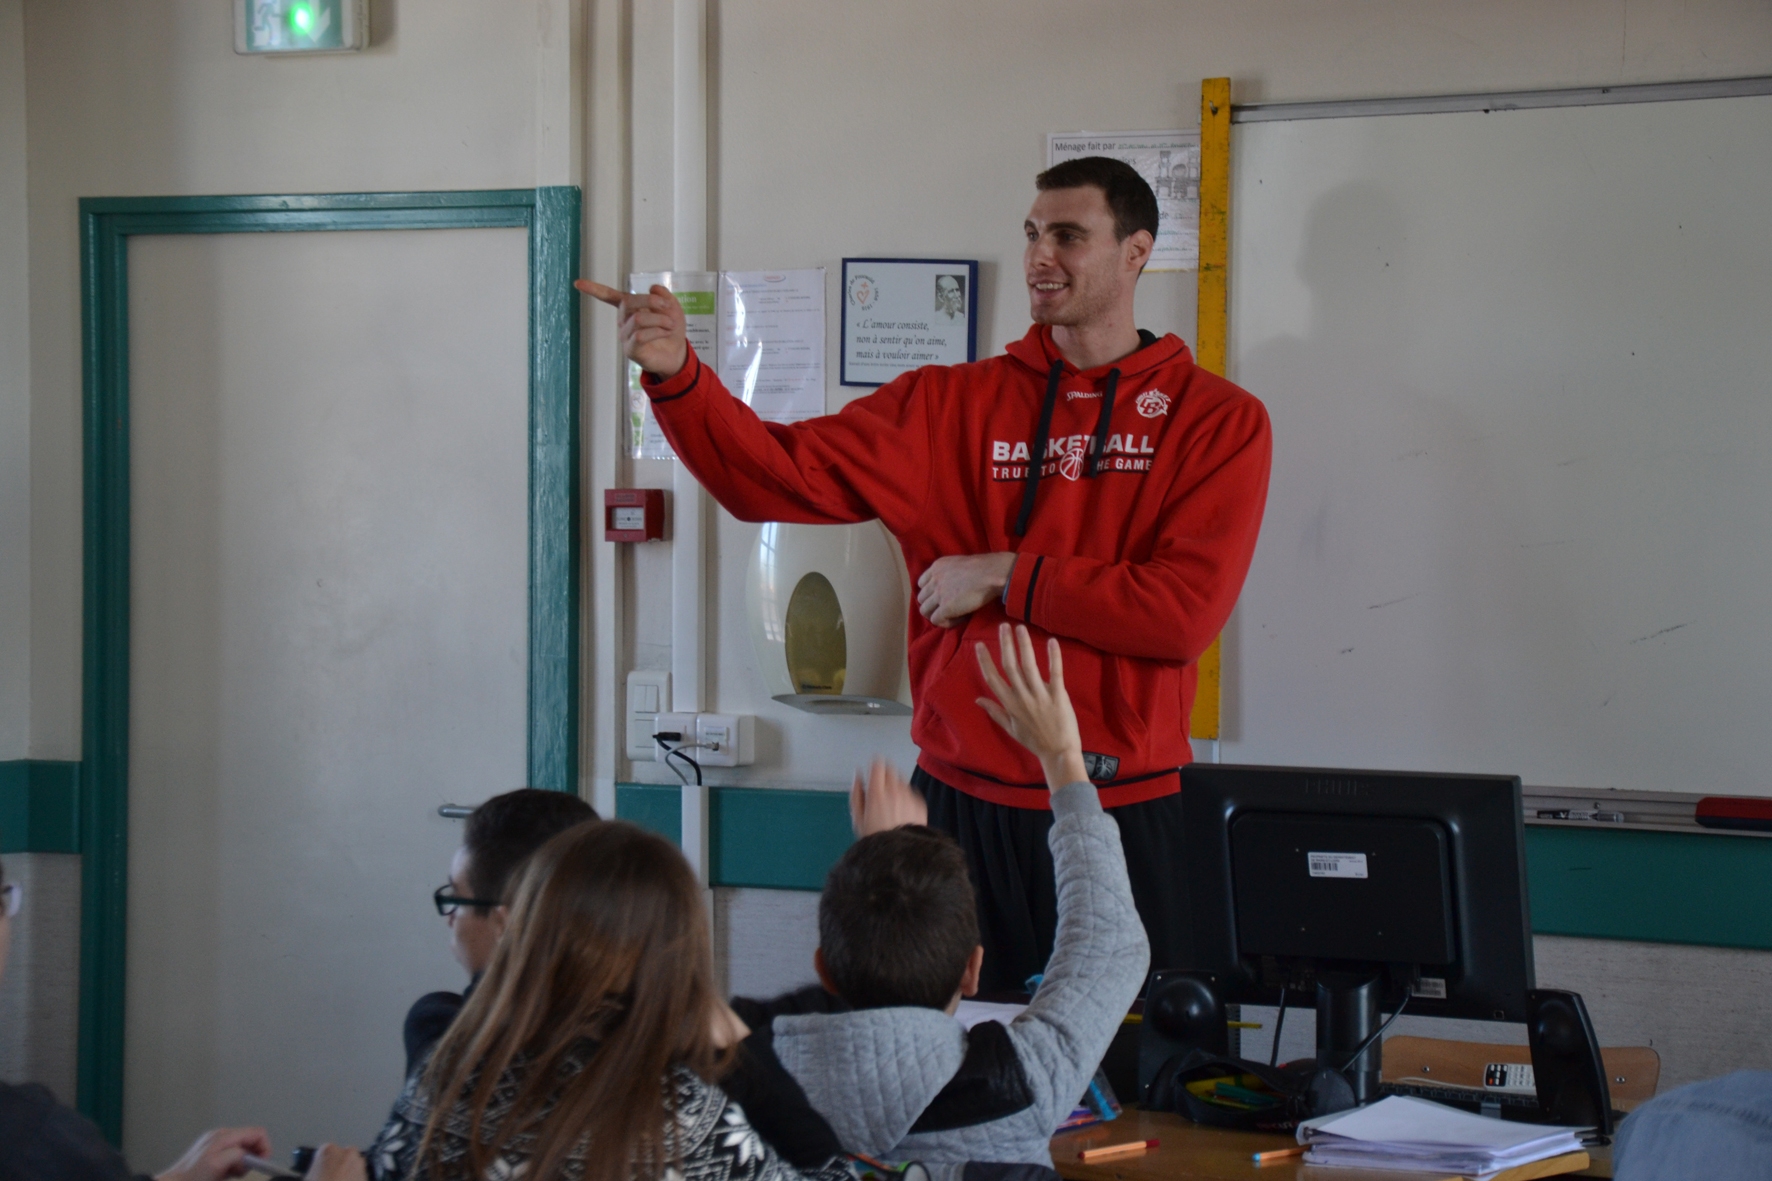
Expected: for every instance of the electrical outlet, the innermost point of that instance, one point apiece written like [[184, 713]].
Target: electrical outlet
[[649, 692], [727, 740], [682, 725]]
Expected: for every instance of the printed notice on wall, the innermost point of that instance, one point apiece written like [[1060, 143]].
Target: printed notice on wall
[[1169, 161], [697, 292], [900, 314], [772, 341], [761, 331]]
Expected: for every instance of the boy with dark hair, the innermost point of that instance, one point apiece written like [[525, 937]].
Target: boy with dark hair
[[882, 1060], [898, 924], [497, 838]]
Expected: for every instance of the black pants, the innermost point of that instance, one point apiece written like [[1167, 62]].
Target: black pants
[[1012, 875]]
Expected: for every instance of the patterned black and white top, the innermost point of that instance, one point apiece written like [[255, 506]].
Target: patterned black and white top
[[717, 1142]]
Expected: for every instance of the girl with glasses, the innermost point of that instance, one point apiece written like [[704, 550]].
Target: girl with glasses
[[592, 1047]]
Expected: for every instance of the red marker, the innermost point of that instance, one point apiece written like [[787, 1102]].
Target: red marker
[[1130, 1148]]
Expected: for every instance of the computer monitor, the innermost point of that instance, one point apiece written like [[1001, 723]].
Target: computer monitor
[[1357, 889]]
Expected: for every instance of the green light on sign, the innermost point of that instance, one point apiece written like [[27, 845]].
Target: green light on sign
[[299, 26]]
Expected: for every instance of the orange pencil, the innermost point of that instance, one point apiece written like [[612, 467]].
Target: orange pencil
[[1274, 1154], [1130, 1148]]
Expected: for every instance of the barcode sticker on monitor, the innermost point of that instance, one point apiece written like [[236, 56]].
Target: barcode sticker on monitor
[[1509, 1076], [1338, 865]]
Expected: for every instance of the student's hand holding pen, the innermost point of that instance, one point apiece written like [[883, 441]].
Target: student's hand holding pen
[[654, 333], [1037, 713]]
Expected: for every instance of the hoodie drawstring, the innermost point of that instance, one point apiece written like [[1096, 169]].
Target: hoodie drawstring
[[1102, 423], [1037, 453]]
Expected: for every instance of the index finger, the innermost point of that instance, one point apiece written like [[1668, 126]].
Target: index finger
[[599, 291]]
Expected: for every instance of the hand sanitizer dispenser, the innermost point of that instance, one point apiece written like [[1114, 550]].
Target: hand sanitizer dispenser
[[828, 605]]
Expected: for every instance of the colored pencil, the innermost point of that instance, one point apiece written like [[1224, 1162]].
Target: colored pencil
[[1130, 1148], [1274, 1154]]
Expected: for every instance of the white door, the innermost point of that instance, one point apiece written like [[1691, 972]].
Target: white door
[[328, 640]]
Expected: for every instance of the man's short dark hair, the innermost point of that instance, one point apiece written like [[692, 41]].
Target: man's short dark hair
[[502, 833], [1130, 199], [897, 921]]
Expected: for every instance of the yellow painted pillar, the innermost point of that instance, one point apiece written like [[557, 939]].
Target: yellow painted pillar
[[1211, 324]]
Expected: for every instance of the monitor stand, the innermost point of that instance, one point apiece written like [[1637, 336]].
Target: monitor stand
[[1347, 1014]]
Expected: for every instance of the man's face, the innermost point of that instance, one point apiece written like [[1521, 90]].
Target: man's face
[[947, 295], [472, 935], [1076, 268]]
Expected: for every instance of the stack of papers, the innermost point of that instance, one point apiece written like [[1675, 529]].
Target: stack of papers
[[1404, 1133]]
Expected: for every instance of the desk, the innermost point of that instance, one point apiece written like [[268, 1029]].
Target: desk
[[1192, 1151]]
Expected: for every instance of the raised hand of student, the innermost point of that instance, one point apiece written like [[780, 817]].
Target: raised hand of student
[[217, 1154], [884, 801], [654, 333], [1037, 713]]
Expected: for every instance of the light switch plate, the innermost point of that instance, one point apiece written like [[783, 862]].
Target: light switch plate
[[649, 691]]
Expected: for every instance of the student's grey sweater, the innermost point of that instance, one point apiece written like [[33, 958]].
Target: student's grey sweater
[[872, 1073]]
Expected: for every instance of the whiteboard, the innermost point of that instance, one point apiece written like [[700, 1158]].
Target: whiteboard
[[1520, 372]]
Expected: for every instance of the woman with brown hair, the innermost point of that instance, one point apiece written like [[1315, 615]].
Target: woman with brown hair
[[590, 1049]]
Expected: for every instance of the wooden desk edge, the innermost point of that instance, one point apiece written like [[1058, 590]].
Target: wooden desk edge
[[1195, 1152]]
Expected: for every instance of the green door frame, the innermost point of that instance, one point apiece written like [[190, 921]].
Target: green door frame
[[552, 218]]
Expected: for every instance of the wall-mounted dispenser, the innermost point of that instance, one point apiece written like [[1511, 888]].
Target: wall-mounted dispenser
[[827, 605]]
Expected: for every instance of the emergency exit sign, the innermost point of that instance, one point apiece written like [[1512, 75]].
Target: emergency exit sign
[[300, 26]]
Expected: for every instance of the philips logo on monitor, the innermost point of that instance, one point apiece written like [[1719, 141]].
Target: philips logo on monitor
[[1334, 787], [1338, 865]]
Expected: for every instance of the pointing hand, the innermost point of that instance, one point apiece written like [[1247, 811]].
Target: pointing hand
[[653, 328]]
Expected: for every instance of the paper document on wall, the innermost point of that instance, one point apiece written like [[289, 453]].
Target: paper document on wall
[[696, 291], [772, 341], [1169, 161], [761, 331]]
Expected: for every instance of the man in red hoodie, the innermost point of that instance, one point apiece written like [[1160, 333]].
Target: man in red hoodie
[[1093, 483]]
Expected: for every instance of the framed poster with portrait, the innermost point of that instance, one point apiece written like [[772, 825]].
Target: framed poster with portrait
[[900, 314]]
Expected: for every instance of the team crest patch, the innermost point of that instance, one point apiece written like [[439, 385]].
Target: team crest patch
[[1071, 466], [1153, 403]]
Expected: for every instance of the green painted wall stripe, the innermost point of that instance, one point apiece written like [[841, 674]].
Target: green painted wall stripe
[[776, 839], [39, 806], [768, 838], [653, 807], [1713, 889], [1658, 887], [551, 216]]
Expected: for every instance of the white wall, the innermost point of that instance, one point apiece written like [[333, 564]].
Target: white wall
[[854, 128], [836, 129], [329, 639], [15, 397], [146, 99], [39, 998], [100, 99]]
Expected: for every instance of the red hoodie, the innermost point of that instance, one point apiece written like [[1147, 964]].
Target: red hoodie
[[1134, 547]]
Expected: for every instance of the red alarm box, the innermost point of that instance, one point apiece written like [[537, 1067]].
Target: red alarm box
[[633, 514]]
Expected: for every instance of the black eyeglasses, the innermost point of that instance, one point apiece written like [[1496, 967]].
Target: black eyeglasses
[[448, 903]]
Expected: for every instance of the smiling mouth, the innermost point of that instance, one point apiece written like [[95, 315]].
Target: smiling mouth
[[1048, 286]]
